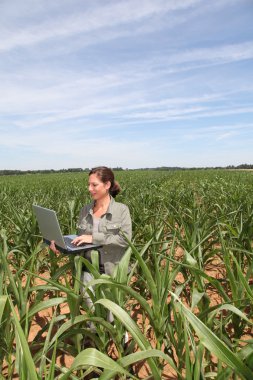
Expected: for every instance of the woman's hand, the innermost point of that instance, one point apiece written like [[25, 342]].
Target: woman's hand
[[79, 240], [53, 247]]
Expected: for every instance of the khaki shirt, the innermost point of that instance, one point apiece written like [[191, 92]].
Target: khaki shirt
[[117, 218]]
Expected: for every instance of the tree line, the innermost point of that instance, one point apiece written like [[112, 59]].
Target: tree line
[[77, 170]]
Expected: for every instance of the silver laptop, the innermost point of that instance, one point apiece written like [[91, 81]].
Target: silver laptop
[[50, 230]]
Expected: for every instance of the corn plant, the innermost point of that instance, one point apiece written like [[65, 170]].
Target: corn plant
[[191, 246]]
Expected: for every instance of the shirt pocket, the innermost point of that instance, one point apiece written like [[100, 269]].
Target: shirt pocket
[[113, 227]]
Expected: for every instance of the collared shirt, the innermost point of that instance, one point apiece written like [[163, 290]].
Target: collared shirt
[[116, 219]]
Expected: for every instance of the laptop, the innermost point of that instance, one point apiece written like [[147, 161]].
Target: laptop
[[50, 230]]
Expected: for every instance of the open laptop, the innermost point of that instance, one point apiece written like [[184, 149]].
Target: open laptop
[[50, 230]]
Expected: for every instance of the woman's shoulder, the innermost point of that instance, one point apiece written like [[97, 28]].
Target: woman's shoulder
[[119, 206], [86, 209]]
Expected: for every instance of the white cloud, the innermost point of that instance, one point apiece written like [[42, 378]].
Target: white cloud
[[105, 16], [219, 132], [226, 135], [85, 93], [112, 76], [221, 54]]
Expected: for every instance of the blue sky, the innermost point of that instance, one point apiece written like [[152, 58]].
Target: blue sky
[[125, 83]]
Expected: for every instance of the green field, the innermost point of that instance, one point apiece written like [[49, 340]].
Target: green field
[[186, 302]]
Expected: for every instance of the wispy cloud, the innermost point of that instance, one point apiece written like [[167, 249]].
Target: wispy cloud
[[220, 132], [218, 55], [51, 90], [102, 75], [103, 16]]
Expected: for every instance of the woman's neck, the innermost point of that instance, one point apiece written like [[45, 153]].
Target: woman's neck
[[102, 203]]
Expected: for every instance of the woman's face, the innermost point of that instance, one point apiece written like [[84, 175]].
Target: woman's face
[[97, 188]]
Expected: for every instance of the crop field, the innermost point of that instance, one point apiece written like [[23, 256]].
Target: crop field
[[185, 301]]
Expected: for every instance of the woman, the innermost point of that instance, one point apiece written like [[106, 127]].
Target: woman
[[104, 220]]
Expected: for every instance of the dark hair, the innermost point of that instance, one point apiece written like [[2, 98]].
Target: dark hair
[[106, 174]]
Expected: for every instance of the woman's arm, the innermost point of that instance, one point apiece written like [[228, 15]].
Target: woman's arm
[[53, 247]]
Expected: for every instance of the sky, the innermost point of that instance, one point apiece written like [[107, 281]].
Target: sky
[[125, 83]]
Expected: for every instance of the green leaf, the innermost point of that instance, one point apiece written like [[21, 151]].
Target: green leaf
[[126, 289], [196, 297], [139, 356], [190, 260], [131, 326], [232, 308], [45, 305], [3, 302], [243, 281], [214, 344], [127, 321], [52, 364], [25, 348], [95, 358]]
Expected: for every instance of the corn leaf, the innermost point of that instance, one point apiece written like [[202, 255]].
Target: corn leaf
[[214, 344]]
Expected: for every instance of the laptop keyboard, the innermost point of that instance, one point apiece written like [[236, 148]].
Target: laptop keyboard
[[68, 241]]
